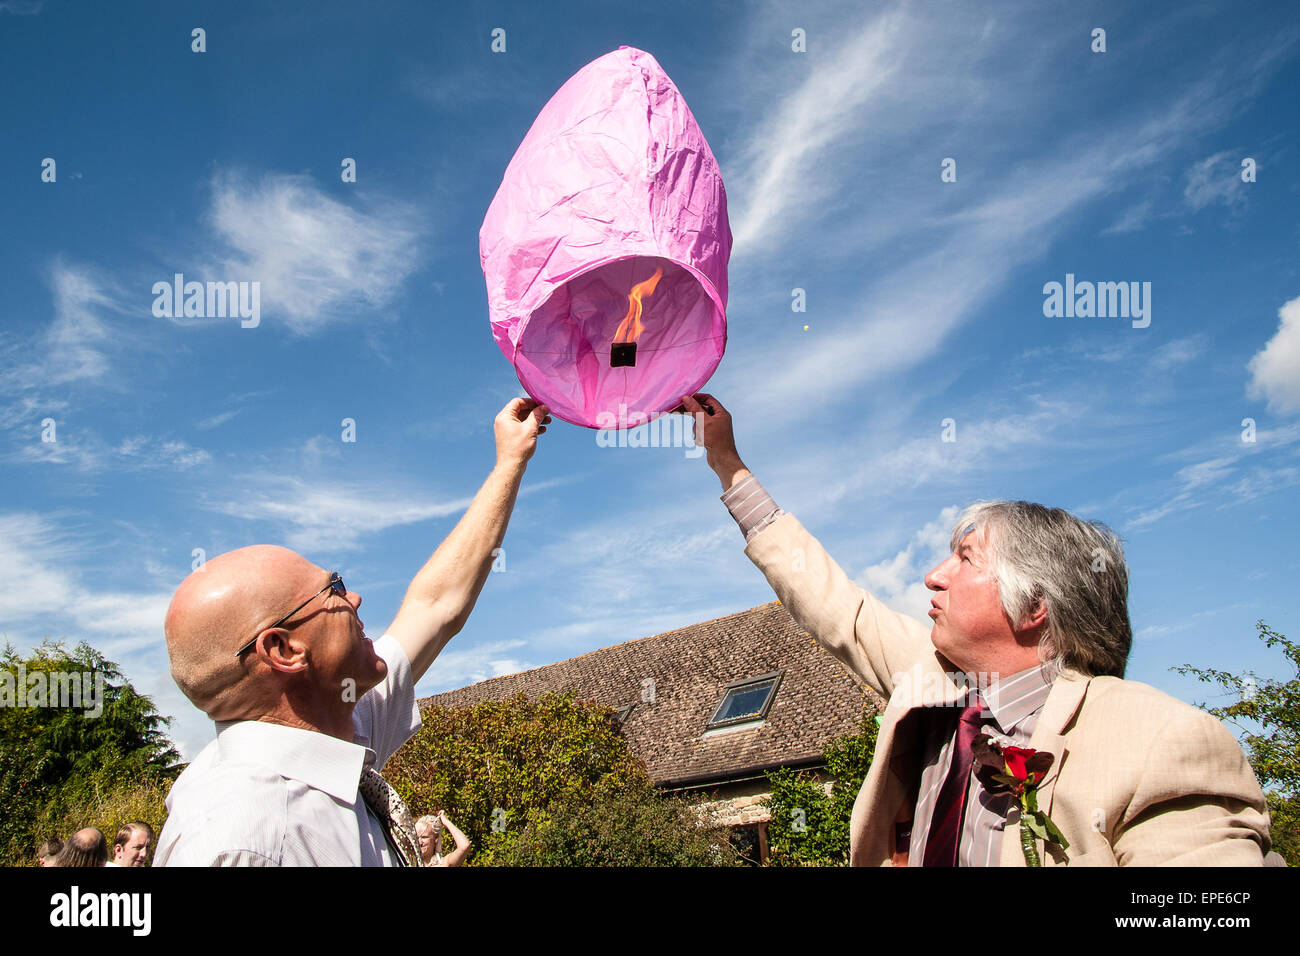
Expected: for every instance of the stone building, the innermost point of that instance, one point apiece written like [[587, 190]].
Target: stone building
[[710, 708]]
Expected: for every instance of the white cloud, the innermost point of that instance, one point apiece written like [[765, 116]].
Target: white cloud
[[217, 420], [817, 174], [21, 8], [1206, 472], [315, 257], [74, 347], [30, 553], [78, 332], [1178, 352], [330, 516], [83, 452], [1215, 179], [618, 559], [926, 460], [1179, 502], [318, 448], [829, 191], [1260, 481], [826, 108], [145, 451], [468, 89], [35, 552], [1236, 473], [457, 667], [1200, 478], [1159, 630], [1133, 219], [899, 582], [1275, 370]]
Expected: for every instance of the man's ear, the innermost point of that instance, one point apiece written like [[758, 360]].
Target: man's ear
[[278, 648], [1036, 618]]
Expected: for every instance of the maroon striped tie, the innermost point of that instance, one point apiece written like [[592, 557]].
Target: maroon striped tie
[[945, 822]]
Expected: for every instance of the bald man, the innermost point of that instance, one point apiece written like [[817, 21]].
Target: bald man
[[272, 648], [84, 848]]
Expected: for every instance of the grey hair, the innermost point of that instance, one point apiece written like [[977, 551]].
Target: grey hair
[[433, 823], [1075, 567]]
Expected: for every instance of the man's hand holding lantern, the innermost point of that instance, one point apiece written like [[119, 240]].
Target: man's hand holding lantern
[[516, 429], [713, 433]]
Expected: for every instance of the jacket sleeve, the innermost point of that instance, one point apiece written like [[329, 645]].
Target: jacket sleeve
[[1196, 803], [874, 642]]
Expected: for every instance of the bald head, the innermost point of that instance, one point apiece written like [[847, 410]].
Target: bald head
[[84, 848], [220, 608]]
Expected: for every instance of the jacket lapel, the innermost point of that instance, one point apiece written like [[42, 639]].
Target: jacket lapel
[[895, 769], [1059, 709]]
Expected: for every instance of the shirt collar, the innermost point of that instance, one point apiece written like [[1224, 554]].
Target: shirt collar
[[1013, 698], [322, 762]]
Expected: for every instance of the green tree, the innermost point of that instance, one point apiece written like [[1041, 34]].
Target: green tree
[[58, 761], [543, 782], [809, 826], [1267, 712]]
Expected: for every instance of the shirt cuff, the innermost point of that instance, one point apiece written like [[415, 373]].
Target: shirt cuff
[[751, 506]]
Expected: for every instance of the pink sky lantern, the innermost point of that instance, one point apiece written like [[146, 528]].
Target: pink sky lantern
[[605, 248]]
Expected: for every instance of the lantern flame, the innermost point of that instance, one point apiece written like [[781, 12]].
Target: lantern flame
[[630, 329]]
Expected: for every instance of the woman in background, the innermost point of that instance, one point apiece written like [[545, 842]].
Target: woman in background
[[429, 829]]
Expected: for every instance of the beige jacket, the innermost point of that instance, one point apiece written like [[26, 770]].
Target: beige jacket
[[1140, 778]]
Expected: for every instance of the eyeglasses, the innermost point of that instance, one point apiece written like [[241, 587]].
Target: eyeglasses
[[336, 585]]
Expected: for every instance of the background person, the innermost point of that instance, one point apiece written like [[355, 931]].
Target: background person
[[430, 828], [84, 848], [131, 845], [48, 851]]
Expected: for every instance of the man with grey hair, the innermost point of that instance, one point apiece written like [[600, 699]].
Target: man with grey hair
[[1027, 650]]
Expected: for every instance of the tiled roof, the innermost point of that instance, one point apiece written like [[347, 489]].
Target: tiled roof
[[691, 667]]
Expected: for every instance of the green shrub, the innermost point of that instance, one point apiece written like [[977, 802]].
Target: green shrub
[[809, 826], [1272, 706], [546, 782], [634, 827]]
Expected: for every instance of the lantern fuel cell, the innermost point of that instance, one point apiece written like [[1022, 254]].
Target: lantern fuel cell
[[609, 236]]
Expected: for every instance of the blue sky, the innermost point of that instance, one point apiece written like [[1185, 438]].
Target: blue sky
[[924, 303]]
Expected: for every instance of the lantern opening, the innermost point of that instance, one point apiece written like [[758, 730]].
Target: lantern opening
[[673, 316]]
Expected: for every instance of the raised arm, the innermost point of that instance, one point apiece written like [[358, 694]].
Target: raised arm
[[441, 596], [456, 856], [875, 642]]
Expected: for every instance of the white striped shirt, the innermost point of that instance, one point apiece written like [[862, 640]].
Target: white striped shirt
[[751, 506], [1012, 706], [263, 794]]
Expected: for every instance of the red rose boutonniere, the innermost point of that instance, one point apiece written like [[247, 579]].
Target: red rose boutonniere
[[1020, 770]]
